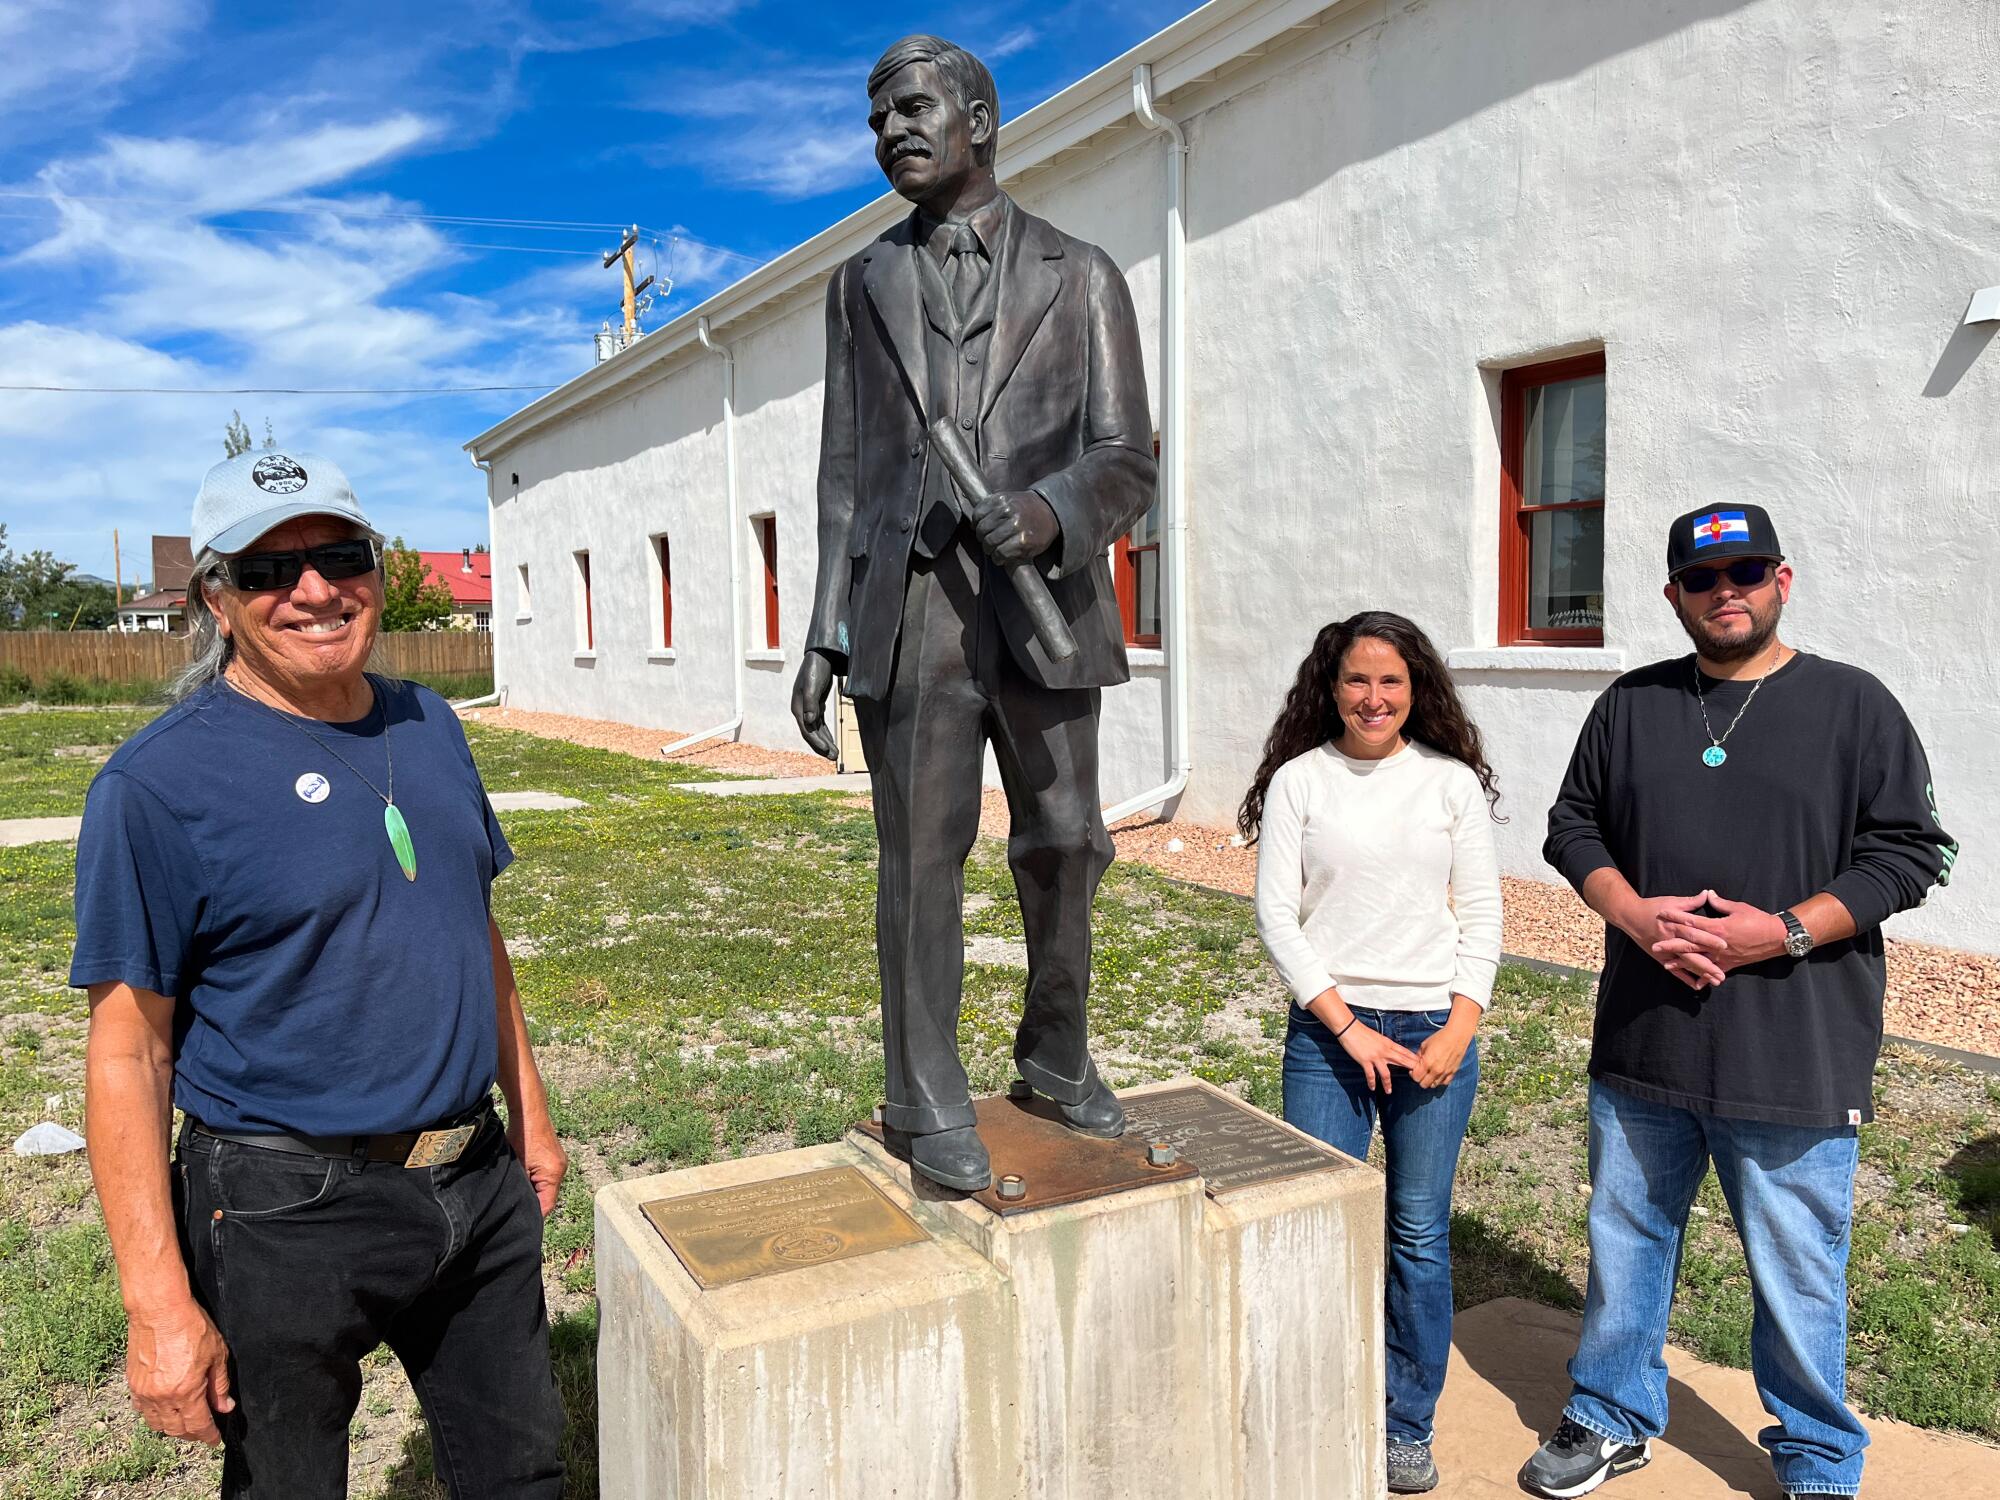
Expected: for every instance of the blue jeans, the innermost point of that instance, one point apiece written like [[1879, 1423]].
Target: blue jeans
[[1791, 1191], [1327, 1096]]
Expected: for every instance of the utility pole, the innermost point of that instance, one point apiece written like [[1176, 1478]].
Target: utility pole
[[623, 254], [117, 569]]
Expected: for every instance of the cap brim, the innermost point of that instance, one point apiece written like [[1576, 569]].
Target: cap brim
[[235, 538]]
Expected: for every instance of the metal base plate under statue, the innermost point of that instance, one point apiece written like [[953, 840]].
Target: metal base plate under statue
[[821, 1323]]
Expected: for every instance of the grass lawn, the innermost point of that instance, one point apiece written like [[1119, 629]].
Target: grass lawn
[[699, 975]]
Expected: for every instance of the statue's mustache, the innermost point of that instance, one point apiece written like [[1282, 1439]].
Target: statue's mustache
[[909, 148]]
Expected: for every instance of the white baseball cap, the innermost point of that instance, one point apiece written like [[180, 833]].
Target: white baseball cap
[[243, 497]]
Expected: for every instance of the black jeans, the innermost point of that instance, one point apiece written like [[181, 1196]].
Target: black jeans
[[307, 1264]]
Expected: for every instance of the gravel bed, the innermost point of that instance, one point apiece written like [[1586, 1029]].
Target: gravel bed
[[1941, 995]]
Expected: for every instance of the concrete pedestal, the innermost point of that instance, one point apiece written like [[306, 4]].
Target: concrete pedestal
[[1156, 1343]]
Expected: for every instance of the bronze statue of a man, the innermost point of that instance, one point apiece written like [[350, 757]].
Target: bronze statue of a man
[[1020, 342]]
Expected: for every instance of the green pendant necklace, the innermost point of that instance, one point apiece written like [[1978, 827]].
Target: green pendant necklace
[[392, 815]]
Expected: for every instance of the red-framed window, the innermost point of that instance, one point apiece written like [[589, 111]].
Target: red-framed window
[[1552, 456], [1135, 574], [663, 555], [588, 631], [767, 543]]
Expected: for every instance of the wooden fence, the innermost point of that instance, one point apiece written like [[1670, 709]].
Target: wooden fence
[[153, 656]]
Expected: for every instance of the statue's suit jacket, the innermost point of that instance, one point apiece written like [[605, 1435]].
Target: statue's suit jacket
[[1063, 412]]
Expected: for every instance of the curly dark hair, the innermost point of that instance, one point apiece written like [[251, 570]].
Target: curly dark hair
[[1311, 715]]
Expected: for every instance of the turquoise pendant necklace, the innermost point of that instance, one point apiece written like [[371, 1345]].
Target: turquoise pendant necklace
[[392, 816], [1715, 755]]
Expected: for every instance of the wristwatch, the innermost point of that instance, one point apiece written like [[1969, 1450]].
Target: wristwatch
[[1798, 942]]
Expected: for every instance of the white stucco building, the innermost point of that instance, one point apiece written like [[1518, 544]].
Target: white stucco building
[[1761, 220]]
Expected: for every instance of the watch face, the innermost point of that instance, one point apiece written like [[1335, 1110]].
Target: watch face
[[1799, 944]]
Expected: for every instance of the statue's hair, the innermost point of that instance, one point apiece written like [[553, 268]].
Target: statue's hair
[[963, 74]]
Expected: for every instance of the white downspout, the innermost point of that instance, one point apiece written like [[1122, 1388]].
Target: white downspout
[[1173, 450], [499, 693], [736, 647]]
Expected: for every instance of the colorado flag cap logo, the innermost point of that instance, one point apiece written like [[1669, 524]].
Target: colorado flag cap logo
[[1720, 526]]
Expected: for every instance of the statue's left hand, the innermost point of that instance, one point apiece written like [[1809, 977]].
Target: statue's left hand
[[1015, 525]]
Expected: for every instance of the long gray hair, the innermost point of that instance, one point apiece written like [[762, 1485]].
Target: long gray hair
[[210, 651]]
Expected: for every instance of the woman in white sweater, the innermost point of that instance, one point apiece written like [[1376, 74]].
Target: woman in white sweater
[[1378, 898]]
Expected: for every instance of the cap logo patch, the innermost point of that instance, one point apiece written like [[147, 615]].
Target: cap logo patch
[[278, 474], [1720, 526]]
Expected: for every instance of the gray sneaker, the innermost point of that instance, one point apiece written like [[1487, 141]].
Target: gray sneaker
[[1576, 1461], [1411, 1471]]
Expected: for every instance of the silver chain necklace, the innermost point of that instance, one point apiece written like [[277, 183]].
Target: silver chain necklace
[[1715, 755], [392, 815]]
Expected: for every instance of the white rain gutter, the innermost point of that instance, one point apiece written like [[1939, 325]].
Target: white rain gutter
[[736, 643], [1173, 449], [499, 694]]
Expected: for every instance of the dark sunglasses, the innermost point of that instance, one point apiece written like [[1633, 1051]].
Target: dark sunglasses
[[255, 571], [1745, 573]]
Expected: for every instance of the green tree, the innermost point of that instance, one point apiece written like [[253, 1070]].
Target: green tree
[[411, 598], [235, 436], [37, 593]]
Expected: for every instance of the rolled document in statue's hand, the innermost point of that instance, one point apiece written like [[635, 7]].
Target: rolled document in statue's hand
[[1051, 629]]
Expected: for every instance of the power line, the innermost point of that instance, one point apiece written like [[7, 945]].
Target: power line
[[274, 390], [307, 234], [576, 226]]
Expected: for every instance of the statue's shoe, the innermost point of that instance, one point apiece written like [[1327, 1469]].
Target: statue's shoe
[[1099, 1115], [954, 1158]]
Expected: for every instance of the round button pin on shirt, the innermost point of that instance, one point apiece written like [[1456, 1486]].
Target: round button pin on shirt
[[312, 787]]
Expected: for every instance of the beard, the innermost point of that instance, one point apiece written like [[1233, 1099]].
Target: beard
[[1713, 646]]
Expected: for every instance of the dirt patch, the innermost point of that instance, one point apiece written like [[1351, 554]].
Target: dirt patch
[[631, 739]]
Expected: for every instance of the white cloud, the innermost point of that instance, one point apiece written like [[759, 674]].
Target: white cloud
[[206, 177], [801, 132], [60, 52], [1020, 39]]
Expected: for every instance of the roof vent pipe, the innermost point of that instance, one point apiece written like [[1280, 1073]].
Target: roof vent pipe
[[1173, 455], [733, 524]]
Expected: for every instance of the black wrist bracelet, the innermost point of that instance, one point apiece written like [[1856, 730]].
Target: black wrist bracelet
[[1351, 1019]]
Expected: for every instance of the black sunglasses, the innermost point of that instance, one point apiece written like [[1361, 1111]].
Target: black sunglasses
[[255, 571], [1745, 573]]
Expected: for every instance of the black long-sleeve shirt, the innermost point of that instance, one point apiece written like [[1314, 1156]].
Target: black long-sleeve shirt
[[1826, 788]]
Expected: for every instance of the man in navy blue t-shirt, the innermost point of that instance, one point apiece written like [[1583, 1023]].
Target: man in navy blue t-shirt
[[283, 921]]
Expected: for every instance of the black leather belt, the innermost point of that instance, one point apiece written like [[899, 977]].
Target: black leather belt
[[410, 1148]]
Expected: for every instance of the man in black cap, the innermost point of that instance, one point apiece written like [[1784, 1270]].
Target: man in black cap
[[1743, 819]]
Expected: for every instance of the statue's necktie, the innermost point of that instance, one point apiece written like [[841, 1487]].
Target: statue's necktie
[[964, 269]]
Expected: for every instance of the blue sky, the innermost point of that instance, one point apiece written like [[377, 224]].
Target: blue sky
[[227, 195]]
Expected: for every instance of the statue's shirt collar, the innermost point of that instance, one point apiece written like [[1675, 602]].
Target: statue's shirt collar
[[987, 221]]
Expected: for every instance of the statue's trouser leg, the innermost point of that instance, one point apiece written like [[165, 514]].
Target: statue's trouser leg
[[1045, 740], [925, 748]]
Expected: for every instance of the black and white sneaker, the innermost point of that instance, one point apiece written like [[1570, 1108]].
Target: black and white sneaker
[[1412, 1471], [1576, 1461]]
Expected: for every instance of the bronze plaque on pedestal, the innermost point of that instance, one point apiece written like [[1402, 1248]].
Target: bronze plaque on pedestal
[[1026, 1138], [1232, 1144], [783, 1224]]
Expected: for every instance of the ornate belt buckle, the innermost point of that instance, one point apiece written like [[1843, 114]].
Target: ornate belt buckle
[[435, 1148]]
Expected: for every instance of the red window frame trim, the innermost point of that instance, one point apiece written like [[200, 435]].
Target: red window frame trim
[[1514, 515], [767, 542], [1125, 579], [665, 555]]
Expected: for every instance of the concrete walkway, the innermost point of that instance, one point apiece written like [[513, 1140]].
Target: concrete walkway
[[1506, 1389], [17, 831], [531, 802], [778, 786]]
